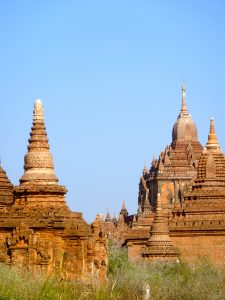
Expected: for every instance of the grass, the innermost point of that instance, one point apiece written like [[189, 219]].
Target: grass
[[125, 281]]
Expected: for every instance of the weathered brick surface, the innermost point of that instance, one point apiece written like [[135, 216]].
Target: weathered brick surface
[[195, 247], [171, 174], [191, 181], [160, 246], [37, 229]]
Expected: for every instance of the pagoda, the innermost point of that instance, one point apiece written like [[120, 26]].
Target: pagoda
[[198, 225], [39, 184], [170, 175], [160, 246], [37, 229]]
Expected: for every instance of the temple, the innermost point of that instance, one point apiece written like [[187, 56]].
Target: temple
[[170, 175], [37, 229], [181, 200], [197, 227], [180, 211]]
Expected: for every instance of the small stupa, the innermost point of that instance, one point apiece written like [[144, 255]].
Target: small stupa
[[160, 246], [39, 184]]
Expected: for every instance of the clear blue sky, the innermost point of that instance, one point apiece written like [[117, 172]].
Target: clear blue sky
[[109, 74]]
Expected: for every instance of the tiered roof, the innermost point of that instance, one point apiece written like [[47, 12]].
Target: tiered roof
[[6, 189], [210, 182]]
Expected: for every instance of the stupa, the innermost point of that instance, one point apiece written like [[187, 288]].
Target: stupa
[[198, 225], [171, 174], [160, 246], [37, 229]]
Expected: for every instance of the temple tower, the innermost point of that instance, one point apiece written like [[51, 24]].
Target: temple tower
[[38, 162], [159, 246], [123, 211], [39, 184], [110, 226], [38, 231], [198, 226], [170, 175], [210, 181]]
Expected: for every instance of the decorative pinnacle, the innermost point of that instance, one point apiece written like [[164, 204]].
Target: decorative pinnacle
[[124, 205], [108, 214], [184, 105], [108, 218], [38, 111], [145, 170], [38, 162], [212, 138]]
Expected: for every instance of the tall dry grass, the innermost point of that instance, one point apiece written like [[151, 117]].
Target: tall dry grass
[[179, 281]]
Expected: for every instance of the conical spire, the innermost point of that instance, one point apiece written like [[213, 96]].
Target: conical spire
[[145, 169], [124, 209], [108, 217], [212, 138], [184, 104], [184, 128], [114, 216], [38, 162], [124, 206], [134, 221], [6, 188], [159, 245], [121, 219], [160, 223], [115, 221], [146, 205], [3, 178]]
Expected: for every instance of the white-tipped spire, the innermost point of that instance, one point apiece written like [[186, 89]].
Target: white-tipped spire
[[38, 111], [38, 162], [38, 102], [184, 104]]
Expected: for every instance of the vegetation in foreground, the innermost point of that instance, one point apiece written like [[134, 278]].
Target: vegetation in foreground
[[125, 281]]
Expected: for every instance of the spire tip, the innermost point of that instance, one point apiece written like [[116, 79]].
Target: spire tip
[[183, 105], [38, 102], [212, 138]]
